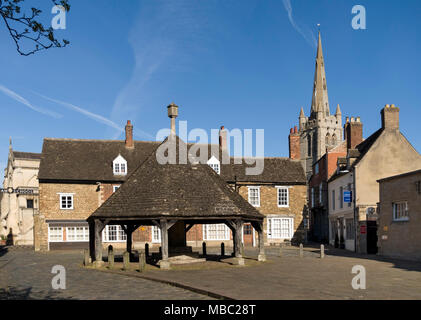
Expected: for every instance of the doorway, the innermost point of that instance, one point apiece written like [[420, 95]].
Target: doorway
[[371, 237], [247, 234]]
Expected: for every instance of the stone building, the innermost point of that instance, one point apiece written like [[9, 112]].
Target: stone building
[[77, 176], [19, 197], [399, 216], [321, 130], [319, 134], [386, 152]]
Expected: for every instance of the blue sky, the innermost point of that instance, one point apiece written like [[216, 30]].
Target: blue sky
[[242, 64]]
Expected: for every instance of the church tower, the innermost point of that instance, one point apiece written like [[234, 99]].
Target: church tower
[[321, 130]]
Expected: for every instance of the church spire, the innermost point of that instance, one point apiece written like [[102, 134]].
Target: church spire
[[320, 101]]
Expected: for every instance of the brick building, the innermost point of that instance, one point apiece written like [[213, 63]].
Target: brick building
[[77, 176], [399, 216]]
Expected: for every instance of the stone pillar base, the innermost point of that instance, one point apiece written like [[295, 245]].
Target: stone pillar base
[[261, 257], [239, 261], [164, 265], [98, 264]]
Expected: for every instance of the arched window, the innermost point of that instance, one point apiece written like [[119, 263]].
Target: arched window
[[327, 139], [334, 140], [309, 145]]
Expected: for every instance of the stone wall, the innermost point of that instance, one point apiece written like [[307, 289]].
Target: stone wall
[[400, 239]]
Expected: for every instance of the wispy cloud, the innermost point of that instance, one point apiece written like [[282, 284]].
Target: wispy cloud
[[25, 102], [163, 38], [305, 32], [96, 117]]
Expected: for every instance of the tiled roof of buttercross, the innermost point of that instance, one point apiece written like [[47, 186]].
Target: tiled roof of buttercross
[[175, 191]]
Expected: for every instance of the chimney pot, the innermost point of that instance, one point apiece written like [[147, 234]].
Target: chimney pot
[[353, 133], [390, 117], [172, 114], [295, 129], [223, 139], [129, 135]]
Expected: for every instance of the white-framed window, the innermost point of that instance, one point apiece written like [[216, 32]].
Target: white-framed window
[[156, 234], [400, 211], [216, 232], [113, 233], [66, 201], [80, 234], [55, 234], [214, 164], [254, 196], [115, 188], [120, 166], [280, 228], [283, 197]]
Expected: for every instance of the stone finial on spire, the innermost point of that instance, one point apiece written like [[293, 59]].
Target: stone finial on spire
[[320, 100], [338, 110], [302, 115], [10, 143]]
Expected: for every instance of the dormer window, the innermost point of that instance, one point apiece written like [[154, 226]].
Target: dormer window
[[120, 166], [215, 164]]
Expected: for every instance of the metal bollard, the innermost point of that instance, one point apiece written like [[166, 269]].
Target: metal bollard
[[147, 249], [204, 248], [222, 249], [301, 250]]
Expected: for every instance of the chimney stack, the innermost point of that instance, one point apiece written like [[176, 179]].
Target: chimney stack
[[390, 117], [294, 144], [129, 135], [223, 139], [172, 114], [353, 132]]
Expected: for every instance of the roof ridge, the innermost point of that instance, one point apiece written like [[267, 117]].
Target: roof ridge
[[95, 140]]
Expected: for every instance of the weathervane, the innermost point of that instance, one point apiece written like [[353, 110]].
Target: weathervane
[[318, 25]]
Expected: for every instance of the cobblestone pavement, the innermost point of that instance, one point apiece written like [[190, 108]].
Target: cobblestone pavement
[[25, 274], [309, 277]]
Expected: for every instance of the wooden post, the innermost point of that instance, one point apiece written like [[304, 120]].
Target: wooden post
[[301, 250], [322, 251], [222, 249], [204, 248], [110, 257], [85, 257], [146, 249], [142, 262], [95, 239], [129, 233], [237, 237], [126, 260], [164, 239]]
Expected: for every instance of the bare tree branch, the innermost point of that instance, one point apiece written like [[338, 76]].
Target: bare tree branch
[[25, 28]]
